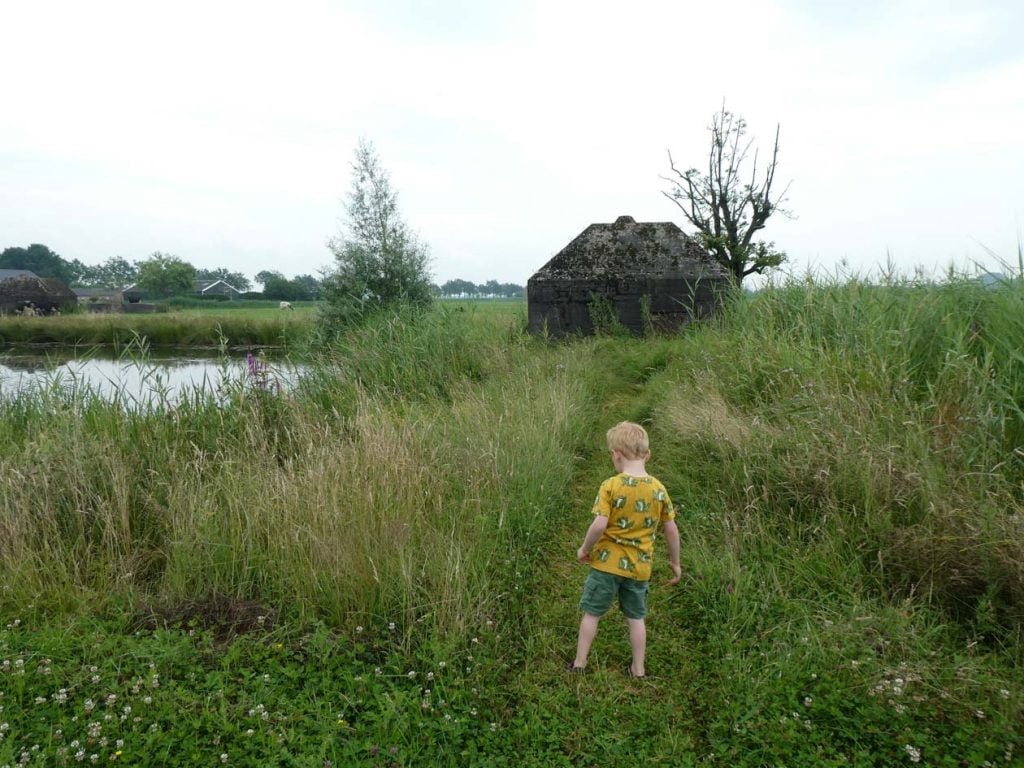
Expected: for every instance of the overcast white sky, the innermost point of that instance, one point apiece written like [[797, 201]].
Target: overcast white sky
[[223, 132]]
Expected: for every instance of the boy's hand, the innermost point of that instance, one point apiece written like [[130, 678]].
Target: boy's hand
[[677, 574], [582, 555]]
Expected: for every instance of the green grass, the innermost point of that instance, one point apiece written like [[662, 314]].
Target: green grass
[[206, 324], [206, 327], [845, 459]]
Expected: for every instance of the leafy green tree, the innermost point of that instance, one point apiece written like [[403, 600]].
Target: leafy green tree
[[378, 261], [459, 287], [41, 260], [82, 273], [115, 272], [236, 280], [263, 276], [310, 284], [512, 290], [118, 272], [726, 208], [165, 275], [285, 290]]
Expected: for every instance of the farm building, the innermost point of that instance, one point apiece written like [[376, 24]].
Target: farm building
[[208, 288], [628, 266], [217, 288], [26, 290], [99, 295]]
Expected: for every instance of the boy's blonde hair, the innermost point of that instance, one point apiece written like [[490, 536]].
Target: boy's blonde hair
[[629, 439]]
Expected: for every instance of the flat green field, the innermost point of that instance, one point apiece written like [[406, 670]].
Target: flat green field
[[378, 568]]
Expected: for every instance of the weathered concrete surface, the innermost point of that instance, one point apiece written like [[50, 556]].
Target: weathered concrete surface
[[626, 264]]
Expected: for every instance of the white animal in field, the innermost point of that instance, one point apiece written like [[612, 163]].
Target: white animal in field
[[286, 305], [29, 310]]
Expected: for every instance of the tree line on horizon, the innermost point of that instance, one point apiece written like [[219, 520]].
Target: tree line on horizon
[[163, 275], [467, 289], [160, 275]]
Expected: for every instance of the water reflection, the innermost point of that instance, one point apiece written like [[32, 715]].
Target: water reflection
[[142, 381]]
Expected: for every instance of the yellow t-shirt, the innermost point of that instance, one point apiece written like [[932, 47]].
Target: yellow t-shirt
[[634, 506]]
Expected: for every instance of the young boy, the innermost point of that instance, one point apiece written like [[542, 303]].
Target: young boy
[[619, 545]]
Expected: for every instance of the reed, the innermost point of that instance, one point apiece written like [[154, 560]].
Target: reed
[[880, 425], [389, 485]]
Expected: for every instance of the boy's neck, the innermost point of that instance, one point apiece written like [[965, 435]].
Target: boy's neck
[[634, 467]]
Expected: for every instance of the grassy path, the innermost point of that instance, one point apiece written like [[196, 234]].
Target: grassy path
[[603, 717]]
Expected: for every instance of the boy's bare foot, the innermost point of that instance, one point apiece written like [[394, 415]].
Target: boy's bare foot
[[633, 676], [573, 668]]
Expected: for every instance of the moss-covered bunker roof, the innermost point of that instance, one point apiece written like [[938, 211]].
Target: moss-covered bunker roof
[[628, 247]]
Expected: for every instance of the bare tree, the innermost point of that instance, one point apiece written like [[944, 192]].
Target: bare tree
[[725, 208]]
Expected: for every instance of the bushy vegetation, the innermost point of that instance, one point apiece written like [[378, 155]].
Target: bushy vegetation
[[378, 569]]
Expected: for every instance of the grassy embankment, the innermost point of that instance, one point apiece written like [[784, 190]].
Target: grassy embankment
[[196, 324], [212, 326], [397, 540]]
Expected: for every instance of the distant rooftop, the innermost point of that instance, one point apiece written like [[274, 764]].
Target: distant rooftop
[[6, 274]]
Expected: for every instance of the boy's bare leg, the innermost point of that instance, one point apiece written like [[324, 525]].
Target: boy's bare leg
[[638, 644], [588, 631]]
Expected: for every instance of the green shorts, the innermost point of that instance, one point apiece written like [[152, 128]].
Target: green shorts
[[601, 589]]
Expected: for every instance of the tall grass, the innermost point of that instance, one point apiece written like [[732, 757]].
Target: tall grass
[[240, 327], [878, 425], [391, 484]]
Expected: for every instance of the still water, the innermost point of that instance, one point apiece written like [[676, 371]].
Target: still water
[[153, 379]]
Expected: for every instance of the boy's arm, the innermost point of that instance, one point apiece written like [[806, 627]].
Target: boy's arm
[[594, 533], [672, 539]]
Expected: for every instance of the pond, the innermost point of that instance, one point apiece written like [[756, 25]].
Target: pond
[[152, 379]]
